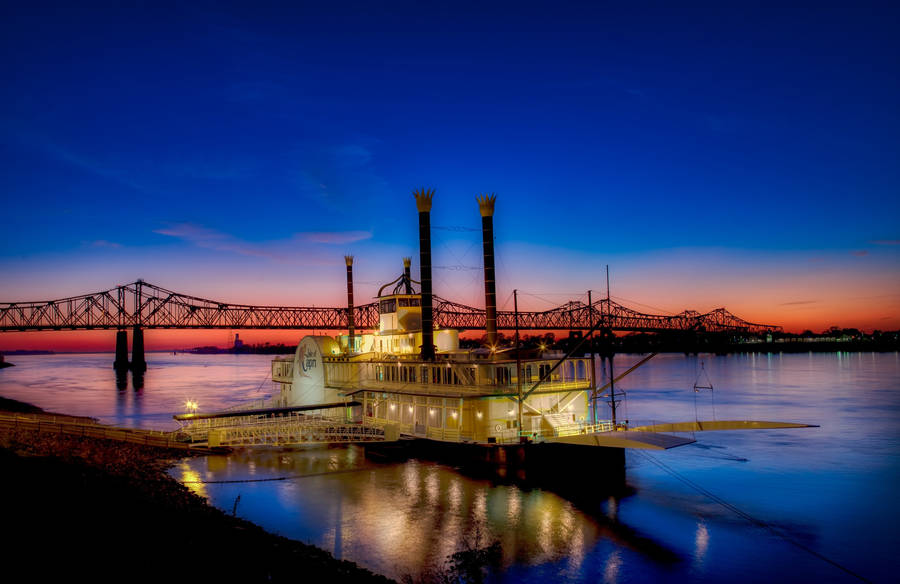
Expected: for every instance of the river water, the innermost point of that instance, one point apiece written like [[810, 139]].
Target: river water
[[815, 504]]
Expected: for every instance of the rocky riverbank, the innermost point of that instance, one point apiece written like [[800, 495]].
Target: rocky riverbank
[[105, 510]]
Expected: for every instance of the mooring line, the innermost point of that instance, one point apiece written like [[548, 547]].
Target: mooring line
[[284, 478], [723, 456], [758, 522]]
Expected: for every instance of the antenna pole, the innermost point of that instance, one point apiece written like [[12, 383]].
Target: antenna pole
[[518, 362], [612, 387], [607, 282], [593, 363]]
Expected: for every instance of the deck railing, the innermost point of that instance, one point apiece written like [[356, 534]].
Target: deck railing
[[293, 431], [460, 389]]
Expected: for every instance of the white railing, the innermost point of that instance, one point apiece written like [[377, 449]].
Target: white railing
[[445, 388], [273, 432]]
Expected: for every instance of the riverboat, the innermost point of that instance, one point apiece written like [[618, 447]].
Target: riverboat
[[417, 380], [407, 379]]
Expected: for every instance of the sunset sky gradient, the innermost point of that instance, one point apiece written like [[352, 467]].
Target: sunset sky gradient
[[712, 154]]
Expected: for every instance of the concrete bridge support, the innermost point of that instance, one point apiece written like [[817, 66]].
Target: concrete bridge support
[[138, 364], [121, 362]]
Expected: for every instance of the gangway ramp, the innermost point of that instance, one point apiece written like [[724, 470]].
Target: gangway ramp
[[623, 439], [296, 431], [711, 425]]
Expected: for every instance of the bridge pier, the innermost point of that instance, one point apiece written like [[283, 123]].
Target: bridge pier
[[121, 362], [138, 364]]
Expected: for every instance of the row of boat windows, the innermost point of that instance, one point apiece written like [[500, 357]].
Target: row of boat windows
[[428, 416], [282, 368], [448, 376], [420, 415], [414, 374], [391, 304]]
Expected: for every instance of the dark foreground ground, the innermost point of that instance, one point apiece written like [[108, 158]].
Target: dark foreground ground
[[92, 509]]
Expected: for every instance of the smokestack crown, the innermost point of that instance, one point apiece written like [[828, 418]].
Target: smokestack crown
[[486, 204], [349, 260], [423, 199]]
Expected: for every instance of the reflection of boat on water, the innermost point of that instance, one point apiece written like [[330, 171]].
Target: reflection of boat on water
[[407, 380]]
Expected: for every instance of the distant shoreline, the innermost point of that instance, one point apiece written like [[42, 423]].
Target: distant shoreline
[[741, 348]]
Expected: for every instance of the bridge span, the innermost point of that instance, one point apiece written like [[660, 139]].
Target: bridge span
[[142, 305]]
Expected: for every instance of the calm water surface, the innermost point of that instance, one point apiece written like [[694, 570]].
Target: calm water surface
[[827, 492]]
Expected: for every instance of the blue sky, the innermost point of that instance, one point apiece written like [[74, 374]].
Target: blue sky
[[212, 147]]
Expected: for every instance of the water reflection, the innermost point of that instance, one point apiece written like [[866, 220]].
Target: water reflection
[[611, 571], [191, 478], [121, 379], [397, 518], [832, 488], [701, 542]]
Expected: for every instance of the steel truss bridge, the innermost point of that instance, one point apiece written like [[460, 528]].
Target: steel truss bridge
[[147, 306]]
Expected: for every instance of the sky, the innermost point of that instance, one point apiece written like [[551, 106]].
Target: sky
[[711, 154]]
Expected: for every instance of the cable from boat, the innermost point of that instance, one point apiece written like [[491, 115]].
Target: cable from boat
[[758, 522]]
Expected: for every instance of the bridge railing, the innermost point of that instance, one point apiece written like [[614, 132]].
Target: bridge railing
[[145, 305]]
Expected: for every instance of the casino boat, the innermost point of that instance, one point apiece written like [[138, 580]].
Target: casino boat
[[407, 380]]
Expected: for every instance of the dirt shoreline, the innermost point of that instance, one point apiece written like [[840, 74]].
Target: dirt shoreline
[[107, 510]]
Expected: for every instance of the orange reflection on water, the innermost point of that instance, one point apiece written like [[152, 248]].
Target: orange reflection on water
[[191, 479]]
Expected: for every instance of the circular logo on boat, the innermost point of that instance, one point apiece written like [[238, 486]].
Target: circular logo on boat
[[308, 356], [308, 360]]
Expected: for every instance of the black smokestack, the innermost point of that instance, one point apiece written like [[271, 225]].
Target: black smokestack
[[486, 206], [407, 275], [350, 323], [423, 203]]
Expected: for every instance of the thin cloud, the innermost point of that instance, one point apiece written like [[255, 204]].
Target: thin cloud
[[194, 233], [335, 237], [885, 242], [799, 302], [282, 250], [216, 240], [103, 169], [104, 243], [860, 252]]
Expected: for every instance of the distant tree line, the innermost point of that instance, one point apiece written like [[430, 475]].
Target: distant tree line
[[604, 342]]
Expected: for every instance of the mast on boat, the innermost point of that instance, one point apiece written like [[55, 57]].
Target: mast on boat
[[518, 362], [612, 386]]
